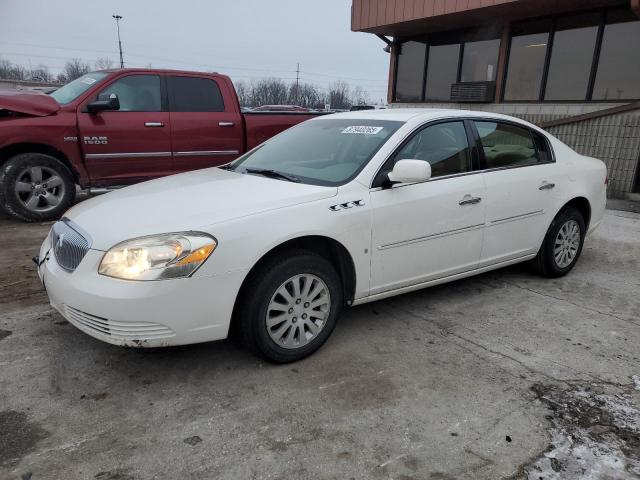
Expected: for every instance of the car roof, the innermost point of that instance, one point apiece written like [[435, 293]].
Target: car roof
[[420, 115]]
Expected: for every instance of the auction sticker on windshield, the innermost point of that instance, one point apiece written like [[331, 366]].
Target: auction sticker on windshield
[[363, 130]]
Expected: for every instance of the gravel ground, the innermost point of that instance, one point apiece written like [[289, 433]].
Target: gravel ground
[[505, 375]]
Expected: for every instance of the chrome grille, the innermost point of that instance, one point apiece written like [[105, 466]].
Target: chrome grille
[[69, 245], [132, 331]]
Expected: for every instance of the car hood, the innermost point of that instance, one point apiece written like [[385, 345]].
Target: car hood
[[189, 201], [30, 103]]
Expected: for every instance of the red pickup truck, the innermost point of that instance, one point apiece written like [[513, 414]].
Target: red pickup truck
[[117, 127]]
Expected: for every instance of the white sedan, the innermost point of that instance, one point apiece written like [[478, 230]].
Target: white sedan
[[338, 211]]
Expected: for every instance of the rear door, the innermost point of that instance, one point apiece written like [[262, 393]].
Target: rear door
[[521, 179], [132, 143], [206, 127]]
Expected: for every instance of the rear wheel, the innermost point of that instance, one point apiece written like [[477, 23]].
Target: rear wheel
[[36, 187], [562, 244], [289, 306]]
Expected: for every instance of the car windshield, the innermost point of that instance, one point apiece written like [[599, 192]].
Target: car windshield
[[320, 152], [74, 89]]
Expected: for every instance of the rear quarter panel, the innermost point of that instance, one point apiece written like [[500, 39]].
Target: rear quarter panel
[[583, 177]]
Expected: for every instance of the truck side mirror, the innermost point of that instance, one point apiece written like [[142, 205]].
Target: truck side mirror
[[111, 103]]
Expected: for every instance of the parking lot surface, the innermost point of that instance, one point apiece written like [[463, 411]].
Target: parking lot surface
[[502, 376]]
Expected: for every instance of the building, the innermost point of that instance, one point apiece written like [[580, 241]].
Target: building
[[570, 66]]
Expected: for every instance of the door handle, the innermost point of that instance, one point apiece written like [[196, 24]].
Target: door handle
[[153, 124], [226, 124], [546, 186], [469, 200]]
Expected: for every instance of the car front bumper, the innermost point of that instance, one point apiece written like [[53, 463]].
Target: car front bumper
[[140, 314]]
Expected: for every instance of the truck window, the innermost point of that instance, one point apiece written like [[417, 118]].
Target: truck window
[[72, 90], [191, 94], [136, 93]]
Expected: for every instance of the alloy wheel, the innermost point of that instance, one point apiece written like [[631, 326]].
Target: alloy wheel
[[298, 311], [567, 244], [39, 189]]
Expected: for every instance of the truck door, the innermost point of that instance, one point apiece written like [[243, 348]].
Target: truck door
[[206, 126], [130, 144]]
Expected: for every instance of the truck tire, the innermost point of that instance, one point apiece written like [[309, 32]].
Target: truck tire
[[35, 187], [290, 306]]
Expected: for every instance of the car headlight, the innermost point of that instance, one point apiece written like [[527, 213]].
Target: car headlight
[[158, 257]]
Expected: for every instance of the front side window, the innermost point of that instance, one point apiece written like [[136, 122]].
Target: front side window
[[192, 94], [526, 61], [506, 145], [618, 76], [442, 71], [72, 90], [136, 93], [320, 152], [444, 146], [410, 72], [574, 44]]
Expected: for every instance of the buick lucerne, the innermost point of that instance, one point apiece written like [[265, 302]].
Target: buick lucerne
[[337, 211]]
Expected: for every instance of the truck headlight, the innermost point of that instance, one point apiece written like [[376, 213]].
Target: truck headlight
[[158, 257]]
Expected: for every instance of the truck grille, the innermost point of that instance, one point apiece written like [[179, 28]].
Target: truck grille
[[131, 331], [69, 246]]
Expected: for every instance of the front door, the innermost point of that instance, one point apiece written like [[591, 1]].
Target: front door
[[206, 130], [132, 143], [520, 177], [429, 230]]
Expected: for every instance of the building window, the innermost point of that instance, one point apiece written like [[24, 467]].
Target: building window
[[480, 61], [442, 71], [618, 76], [574, 43], [410, 71], [526, 61]]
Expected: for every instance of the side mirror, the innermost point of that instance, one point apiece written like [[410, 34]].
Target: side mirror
[[410, 171], [111, 103]]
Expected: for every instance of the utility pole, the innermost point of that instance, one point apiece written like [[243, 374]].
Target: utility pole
[[118, 18], [298, 84]]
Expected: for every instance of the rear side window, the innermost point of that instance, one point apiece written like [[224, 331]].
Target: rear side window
[[191, 94], [136, 93], [507, 145]]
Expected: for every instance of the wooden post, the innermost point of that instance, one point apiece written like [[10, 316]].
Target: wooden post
[[502, 61]]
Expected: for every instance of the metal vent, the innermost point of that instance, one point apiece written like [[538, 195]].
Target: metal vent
[[481, 92], [69, 246]]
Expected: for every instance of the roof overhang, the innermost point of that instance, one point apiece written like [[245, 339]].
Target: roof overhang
[[384, 17]]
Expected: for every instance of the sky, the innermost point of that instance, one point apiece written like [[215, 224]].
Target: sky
[[244, 39]]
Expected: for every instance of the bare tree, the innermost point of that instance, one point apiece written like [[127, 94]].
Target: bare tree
[[360, 96], [75, 68], [338, 96], [243, 91], [40, 74], [103, 63]]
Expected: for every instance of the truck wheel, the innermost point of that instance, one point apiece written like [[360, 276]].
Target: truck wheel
[[290, 306], [35, 187], [562, 244]]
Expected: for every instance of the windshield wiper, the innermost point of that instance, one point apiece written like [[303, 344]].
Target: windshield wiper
[[273, 174]]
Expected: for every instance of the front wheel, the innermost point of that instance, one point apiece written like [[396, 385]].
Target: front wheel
[[36, 187], [562, 244], [289, 306]]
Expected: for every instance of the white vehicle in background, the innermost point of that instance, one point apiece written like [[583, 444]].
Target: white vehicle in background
[[340, 210]]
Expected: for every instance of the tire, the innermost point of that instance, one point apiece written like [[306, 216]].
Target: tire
[[554, 263], [25, 193], [263, 309]]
